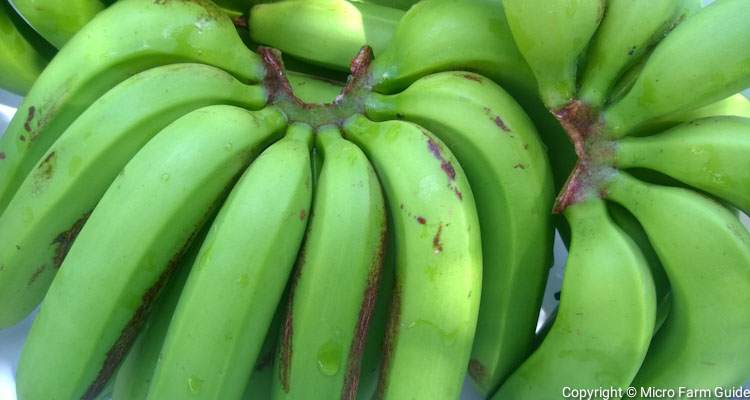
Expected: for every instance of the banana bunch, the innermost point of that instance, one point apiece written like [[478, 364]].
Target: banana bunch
[[632, 83], [197, 222]]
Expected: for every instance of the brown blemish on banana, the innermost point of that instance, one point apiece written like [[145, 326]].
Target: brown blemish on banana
[[302, 214], [421, 220], [437, 246], [2, 155], [519, 166], [29, 118], [471, 77], [47, 166], [496, 119], [22, 138], [389, 343], [35, 275], [287, 326], [240, 21], [445, 165], [65, 240], [130, 331], [366, 309], [477, 370]]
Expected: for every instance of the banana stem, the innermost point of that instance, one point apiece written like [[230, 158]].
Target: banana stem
[[595, 154]]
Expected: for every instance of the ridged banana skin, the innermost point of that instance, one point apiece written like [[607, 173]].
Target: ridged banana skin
[[705, 251], [58, 21], [52, 204], [126, 38], [704, 59], [335, 284], [553, 35], [311, 89], [606, 315], [506, 165], [436, 296], [737, 105], [630, 225], [20, 62], [122, 256], [323, 32], [446, 35], [237, 282], [134, 375], [627, 31], [710, 154]]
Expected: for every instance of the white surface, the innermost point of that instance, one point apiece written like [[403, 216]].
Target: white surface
[[11, 339]]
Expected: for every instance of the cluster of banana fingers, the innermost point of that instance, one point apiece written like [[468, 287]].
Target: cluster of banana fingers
[[196, 222]]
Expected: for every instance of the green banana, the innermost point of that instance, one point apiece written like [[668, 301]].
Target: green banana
[[438, 259], [313, 90], [323, 32], [400, 4], [553, 35], [710, 154], [630, 225], [605, 319], [134, 375], [737, 105], [260, 384], [705, 252], [706, 58], [51, 205], [58, 21], [122, 256], [239, 277], [506, 165], [628, 30], [20, 61], [444, 35], [126, 38], [336, 281]]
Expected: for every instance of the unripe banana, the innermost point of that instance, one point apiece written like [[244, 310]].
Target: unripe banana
[[334, 287], [737, 105], [627, 31], [58, 21], [507, 168], [323, 32], [123, 255], [20, 62], [260, 385], [705, 251], [134, 375], [401, 4], [606, 316], [552, 35], [446, 35], [438, 259], [704, 59], [313, 90], [237, 281], [52, 204], [710, 154], [126, 38]]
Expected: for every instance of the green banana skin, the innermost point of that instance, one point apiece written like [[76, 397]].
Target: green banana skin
[[710, 154], [122, 256], [400, 4], [313, 90], [552, 35], [135, 35], [627, 31], [606, 315], [238, 279], [705, 251], [20, 62], [58, 21], [737, 105], [323, 32], [445, 35], [134, 375], [438, 259], [51, 205], [506, 165], [260, 385], [686, 71], [324, 335], [630, 225]]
